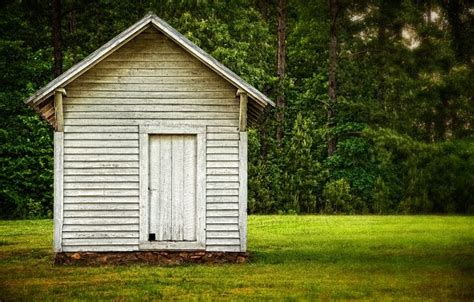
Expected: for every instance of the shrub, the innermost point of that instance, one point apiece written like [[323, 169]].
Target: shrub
[[337, 197]]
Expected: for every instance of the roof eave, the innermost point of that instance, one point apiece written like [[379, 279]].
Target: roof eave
[[209, 61], [128, 34], [89, 61]]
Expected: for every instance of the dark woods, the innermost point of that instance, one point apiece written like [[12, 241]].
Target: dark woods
[[374, 98]]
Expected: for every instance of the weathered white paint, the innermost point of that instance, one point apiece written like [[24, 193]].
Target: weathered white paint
[[102, 171], [222, 220], [230, 227], [150, 115], [107, 129], [100, 228], [220, 248], [222, 213], [172, 178], [222, 150], [100, 129], [101, 248], [222, 168], [222, 178], [223, 241], [243, 190], [223, 144], [154, 101], [104, 214], [93, 165], [100, 136], [223, 157], [222, 185], [223, 234], [101, 185], [100, 206], [149, 82], [222, 199], [100, 221], [172, 197], [188, 174], [149, 108], [98, 235], [223, 192], [115, 150], [100, 178], [100, 193], [144, 182], [58, 190], [222, 205], [101, 158], [118, 121], [96, 144], [223, 136]]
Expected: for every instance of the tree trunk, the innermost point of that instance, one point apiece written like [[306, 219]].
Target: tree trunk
[[263, 138], [281, 54], [334, 10], [263, 8], [428, 13], [381, 55], [57, 39], [453, 10], [443, 120]]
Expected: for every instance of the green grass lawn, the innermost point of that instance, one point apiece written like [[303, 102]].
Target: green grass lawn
[[293, 258]]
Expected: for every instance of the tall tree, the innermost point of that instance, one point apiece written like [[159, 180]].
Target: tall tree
[[334, 7], [461, 26], [281, 63], [57, 38]]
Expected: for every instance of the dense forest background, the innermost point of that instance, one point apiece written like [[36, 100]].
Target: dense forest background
[[375, 108]]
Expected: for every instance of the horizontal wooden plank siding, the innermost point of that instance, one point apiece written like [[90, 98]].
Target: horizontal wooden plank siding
[[149, 81], [100, 228], [100, 206]]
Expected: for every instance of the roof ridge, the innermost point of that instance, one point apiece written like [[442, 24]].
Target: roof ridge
[[128, 34]]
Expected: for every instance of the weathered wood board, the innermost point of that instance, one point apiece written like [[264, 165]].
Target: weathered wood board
[[148, 81]]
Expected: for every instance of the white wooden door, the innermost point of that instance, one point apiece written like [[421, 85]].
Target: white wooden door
[[172, 187]]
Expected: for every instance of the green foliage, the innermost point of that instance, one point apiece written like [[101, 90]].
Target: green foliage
[[430, 177], [25, 140], [302, 174], [382, 201], [26, 164], [337, 197], [403, 118], [260, 196], [244, 44]]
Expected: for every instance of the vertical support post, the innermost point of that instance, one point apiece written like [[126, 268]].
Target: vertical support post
[[243, 110], [243, 191], [58, 169], [144, 185], [58, 189], [58, 108], [243, 169]]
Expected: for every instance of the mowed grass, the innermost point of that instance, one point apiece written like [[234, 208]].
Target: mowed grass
[[293, 258]]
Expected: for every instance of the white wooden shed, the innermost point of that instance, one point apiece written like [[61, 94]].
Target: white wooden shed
[[150, 146]]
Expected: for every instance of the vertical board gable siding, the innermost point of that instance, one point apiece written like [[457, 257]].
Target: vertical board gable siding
[[150, 79]]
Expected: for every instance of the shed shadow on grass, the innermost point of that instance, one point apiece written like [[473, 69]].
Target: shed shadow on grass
[[396, 259]]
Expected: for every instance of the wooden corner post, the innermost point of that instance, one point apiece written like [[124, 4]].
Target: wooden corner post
[[58, 168], [243, 169], [243, 110], [58, 108]]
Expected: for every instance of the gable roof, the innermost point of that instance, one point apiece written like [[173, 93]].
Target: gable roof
[[128, 34]]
